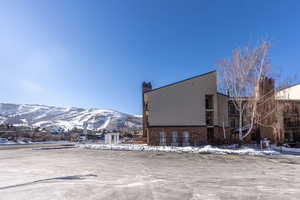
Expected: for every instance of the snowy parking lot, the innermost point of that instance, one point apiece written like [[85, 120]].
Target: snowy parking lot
[[77, 173]]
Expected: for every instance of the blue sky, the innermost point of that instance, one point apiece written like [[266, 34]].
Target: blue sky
[[95, 54]]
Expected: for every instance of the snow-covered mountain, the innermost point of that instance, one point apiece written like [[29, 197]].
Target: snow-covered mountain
[[66, 118]]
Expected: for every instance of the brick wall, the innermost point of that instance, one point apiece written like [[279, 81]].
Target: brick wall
[[219, 136]]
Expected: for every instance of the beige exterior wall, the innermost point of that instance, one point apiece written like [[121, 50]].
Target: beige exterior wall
[[222, 110], [292, 93], [183, 103]]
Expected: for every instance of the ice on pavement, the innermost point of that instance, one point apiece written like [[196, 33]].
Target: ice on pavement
[[203, 149]]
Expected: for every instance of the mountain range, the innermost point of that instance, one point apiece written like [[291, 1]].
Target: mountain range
[[52, 117]]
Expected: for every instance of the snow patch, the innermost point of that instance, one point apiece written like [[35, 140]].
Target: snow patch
[[204, 149], [105, 124], [286, 149]]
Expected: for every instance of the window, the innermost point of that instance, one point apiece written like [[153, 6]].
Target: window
[[174, 139], [209, 105], [288, 122], [209, 118], [162, 138], [232, 109], [209, 102], [210, 134], [186, 139], [232, 123]]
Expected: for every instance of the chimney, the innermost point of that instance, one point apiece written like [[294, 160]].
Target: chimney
[[266, 86], [146, 86]]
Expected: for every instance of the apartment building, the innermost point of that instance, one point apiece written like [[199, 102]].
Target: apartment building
[[188, 112], [193, 112]]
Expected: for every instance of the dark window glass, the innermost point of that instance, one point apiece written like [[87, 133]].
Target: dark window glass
[[209, 118], [209, 101], [232, 123], [210, 134]]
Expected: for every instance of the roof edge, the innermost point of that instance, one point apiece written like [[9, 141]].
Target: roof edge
[[219, 93], [289, 86]]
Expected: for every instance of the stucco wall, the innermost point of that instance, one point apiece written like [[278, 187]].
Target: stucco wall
[[222, 111], [182, 103], [292, 93]]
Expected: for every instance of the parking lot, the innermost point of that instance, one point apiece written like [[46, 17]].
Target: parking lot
[[74, 173]]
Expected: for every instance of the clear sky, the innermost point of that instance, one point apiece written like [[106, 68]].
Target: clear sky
[[95, 54]]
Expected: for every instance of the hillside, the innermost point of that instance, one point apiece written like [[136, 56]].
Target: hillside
[[50, 117]]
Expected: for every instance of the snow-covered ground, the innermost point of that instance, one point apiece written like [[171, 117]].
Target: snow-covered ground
[[286, 149], [203, 149]]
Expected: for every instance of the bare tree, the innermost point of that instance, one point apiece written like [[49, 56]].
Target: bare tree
[[240, 78]]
